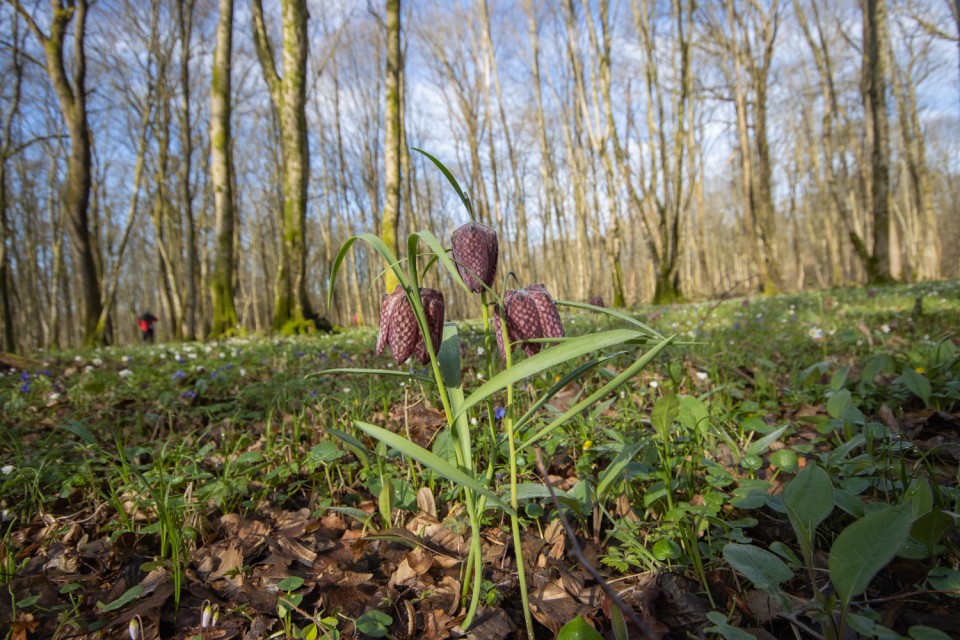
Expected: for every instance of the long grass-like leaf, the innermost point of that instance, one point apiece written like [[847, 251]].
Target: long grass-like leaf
[[374, 372], [453, 181], [613, 313], [433, 461], [441, 254], [567, 350], [379, 246], [603, 391], [614, 470], [555, 389]]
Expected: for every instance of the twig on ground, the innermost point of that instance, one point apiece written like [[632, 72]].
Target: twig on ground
[[578, 553]]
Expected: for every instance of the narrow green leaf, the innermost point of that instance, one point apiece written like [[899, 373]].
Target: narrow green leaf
[[353, 444], [443, 256], [556, 388], [432, 461], [865, 547], [602, 392], [453, 181], [77, 429], [578, 629], [379, 246], [614, 470], [558, 354], [761, 567], [369, 372], [761, 445], [128, 596], [449, 356], [653, 333]]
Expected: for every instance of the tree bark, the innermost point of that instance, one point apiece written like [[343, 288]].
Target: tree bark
[[185, 28], [221, 178], [71, 93], [874, 93], [288, 95]]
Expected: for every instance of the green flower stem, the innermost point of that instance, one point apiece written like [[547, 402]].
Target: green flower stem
[[475, 557], [515, 518]]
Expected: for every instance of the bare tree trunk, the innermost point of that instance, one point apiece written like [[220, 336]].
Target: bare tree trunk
[[873, 91], [72, 95], [185, 26], [221, 178], [288, 94]]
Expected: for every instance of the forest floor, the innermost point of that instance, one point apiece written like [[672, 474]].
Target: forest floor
[[786, 467]]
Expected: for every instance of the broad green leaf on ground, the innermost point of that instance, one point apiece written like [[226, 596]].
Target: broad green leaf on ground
[[865, 547], [809, 499], [578, 629], [761, 567]]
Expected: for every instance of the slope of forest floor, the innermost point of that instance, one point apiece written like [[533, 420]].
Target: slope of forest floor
[[141, 486]]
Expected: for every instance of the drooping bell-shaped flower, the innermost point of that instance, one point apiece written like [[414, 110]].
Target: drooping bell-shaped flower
[[475, 250], [399, 329], [530, 314]]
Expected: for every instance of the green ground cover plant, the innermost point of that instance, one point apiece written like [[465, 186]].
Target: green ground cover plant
[[786, 467]]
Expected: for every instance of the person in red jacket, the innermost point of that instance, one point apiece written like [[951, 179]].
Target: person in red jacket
[[145, 321]]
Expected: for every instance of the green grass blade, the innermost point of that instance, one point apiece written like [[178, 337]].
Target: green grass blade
[[379, 246], [613, 472], [432, 461], [453, 181], [613, 313], [556, 388], [443, 256], [374, 372], [602, 392], [562, 352]]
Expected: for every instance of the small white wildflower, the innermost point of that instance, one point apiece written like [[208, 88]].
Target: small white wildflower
[[77, 359], [125, 373], [97, 362], [243, 372], [188, 348], [480, 351], [473, 422], [702, 375], [192, 356], [87, 369], [163, 356], [199, 368], [125, 359], [221, 355], [654, 384], [54, 397], [885, 328], [346, 390], [815, 332], [176, 355], [7, 469], [7, 516], [623, 394], [479, 376]]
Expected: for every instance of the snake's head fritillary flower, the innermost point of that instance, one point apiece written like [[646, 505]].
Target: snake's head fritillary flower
[[530, 314], [475, 250], [399, 329]]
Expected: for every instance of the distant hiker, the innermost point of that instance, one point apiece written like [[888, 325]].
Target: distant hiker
[[146, 321]]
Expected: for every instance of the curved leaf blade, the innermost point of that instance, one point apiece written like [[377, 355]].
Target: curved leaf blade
[[433, 461]]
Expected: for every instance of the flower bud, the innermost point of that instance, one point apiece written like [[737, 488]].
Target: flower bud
[[475, 250], [399, 329]]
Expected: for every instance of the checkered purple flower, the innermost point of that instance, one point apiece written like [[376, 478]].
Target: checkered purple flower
[[399, 329], [530, 314], [475, 250]]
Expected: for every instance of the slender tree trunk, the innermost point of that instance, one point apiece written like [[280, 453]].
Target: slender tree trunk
[[221, 178], [874, 93], [71, 93], [288, 94], [185, 26]]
